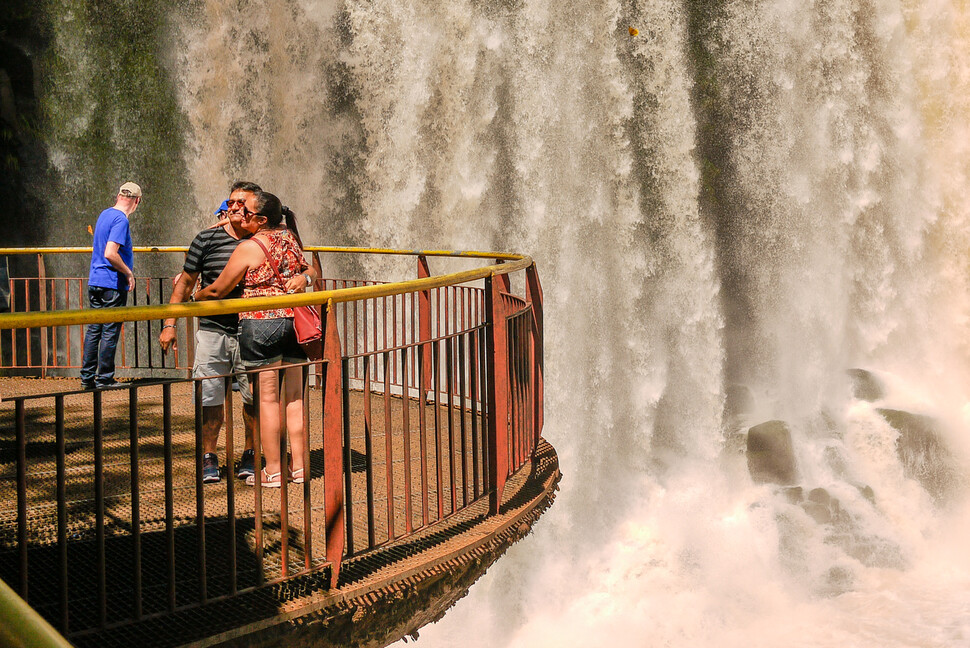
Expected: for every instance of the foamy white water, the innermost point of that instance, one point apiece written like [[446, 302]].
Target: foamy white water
[[746, 198]]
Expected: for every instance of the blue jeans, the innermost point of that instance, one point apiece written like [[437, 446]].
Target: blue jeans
[[101, 340]]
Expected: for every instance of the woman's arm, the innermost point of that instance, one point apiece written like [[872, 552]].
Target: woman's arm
[[299, 282], [240, 261]]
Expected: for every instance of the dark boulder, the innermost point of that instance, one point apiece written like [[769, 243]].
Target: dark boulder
[[866, 385], [771, 456]]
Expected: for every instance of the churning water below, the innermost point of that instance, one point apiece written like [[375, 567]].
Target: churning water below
[[729, 210]]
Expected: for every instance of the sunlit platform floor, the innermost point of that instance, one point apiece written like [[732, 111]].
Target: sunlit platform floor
[[394, 581]]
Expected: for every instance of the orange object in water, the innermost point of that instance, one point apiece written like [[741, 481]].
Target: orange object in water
[[634, 31], [90, 230]]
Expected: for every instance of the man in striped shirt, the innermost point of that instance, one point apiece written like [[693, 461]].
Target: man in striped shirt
[[216, 346]]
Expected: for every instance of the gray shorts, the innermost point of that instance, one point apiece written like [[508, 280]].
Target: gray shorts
[[217, 354]]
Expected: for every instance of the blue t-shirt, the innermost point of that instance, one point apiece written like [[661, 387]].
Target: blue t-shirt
[[112, 226]]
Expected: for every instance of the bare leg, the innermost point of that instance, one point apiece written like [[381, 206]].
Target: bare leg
[[211, 424], [293, 397], [249, 414], [269, 418]]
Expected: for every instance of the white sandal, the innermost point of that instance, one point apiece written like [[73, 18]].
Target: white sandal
[[268, 480], [296, 476]]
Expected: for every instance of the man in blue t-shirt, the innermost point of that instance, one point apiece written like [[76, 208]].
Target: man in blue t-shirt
[[109, 280]]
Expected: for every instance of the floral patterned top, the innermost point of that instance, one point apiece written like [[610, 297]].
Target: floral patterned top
[[261, 281]]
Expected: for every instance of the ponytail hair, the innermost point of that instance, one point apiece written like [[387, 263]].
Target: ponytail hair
[[291, 224]]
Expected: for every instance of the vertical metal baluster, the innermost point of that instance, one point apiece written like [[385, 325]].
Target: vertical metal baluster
[[169, 494], [483, 387], [473, 373], [61, 510], [21, 415], [258, 479], [388, 449], [436, 364], [348, 466], [423, 432], [29, 331], [369, 451], [135, 500], [13, 332], [199, 495], [99, 508], [307, 473], [284, 477], [394, 300], [513, 393], [450, 388], [406, 425], [67, 329], [230, 484], [461, 413]]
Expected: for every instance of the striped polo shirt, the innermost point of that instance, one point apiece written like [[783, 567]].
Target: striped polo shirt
[[208, 256]]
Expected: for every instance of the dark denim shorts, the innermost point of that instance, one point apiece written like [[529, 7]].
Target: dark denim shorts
[[265, 341]]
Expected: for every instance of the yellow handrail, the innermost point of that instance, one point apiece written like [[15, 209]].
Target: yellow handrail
[[504, 256], [38, 319], [21, 625]]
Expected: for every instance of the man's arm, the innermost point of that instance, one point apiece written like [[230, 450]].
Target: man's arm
[[180, 293], [112, 256]]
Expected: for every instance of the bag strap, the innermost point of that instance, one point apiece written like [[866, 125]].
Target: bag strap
[[269, 259]]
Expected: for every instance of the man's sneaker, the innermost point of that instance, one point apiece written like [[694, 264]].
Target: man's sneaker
[[246, 466], [87, 384], [210, 468]]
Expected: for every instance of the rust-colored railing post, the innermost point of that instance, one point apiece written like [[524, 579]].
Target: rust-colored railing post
[[424, 320], [42, 305], [534, 296], [333, 464], [504, 280], [498, 392], [318, 285]]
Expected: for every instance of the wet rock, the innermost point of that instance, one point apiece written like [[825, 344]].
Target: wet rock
[[844, 530], [922, 452], [771, 456], [866, 385]]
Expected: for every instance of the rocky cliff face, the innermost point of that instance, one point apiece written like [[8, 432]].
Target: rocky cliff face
[[23, 159]]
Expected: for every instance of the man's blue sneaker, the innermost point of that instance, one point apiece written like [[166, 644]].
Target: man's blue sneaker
[[210, 468], [247, 464]]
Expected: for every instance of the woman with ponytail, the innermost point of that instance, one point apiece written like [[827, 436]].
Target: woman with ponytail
[[270, 263]]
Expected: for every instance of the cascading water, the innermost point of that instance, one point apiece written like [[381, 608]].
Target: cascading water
[[729, 211]]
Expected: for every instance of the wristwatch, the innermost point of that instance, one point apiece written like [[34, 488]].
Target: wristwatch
[[308, 279]]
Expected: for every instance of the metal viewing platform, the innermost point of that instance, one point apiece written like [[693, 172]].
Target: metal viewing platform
[[424, 450]]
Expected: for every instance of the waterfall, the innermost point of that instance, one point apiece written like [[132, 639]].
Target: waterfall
[[729, 211]]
